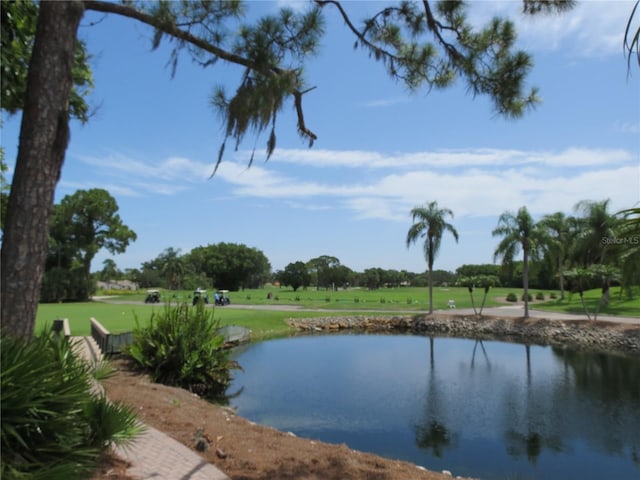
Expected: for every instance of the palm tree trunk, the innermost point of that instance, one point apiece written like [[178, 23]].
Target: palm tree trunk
[[584, 305], [484, 299], [525, 280], [430, 291], [473, 303]]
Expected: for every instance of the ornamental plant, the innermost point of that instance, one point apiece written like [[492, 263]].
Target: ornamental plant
[[54, 425], [181, 347]]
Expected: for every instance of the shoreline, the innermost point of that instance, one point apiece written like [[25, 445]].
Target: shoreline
[[603, 336]]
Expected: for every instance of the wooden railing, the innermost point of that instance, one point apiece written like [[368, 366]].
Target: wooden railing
[[109, 343]]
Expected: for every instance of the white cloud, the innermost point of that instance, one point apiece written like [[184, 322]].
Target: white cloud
[[467, 181], [628, 128], [590, 29], [387, 102], [480, 157]]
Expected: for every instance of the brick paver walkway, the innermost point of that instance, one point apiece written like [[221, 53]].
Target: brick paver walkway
[[155, 455]]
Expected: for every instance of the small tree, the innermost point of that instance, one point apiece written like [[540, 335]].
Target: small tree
[[583, 279]]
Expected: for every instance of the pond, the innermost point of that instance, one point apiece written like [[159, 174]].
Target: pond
[[485, 409]]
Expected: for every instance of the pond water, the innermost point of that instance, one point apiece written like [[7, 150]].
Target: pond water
[[489, 409]]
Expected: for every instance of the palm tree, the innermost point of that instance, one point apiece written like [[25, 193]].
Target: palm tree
[[626, 248], [559, 233], [173, 270], [429, 223], [596, 231], [519, 232]]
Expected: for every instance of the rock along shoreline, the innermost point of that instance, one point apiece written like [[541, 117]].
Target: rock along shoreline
[[603, 336]]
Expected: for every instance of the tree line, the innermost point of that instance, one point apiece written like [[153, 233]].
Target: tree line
[[594, 248]]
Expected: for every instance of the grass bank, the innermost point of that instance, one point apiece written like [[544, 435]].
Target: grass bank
[[120, 317]]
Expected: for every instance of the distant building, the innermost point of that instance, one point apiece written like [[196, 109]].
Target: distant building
[[117, 285]]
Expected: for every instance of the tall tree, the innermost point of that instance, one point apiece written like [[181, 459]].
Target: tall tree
[[596, 231], [85, 223], [429, 223], [518, 232], [558, 245], [442, 45]]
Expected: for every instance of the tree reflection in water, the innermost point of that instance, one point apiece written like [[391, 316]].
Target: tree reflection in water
[[431, 434]]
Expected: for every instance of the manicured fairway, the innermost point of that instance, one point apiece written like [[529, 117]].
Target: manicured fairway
[[120, 317]]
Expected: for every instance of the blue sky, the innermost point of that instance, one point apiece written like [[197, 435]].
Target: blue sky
[[153, 143]]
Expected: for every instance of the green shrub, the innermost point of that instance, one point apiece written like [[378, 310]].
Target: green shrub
[[181, 347], [539, 296], [553, 295], [297, 299], [529, 297], [327, 299], [53, 426], [382, 300], [356, 300], [512, 297]]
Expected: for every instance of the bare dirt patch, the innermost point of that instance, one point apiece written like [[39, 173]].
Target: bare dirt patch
[[242, 449]]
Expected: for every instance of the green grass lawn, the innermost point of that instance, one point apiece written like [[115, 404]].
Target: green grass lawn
[[619, 304], [119, 318], [392, 299]]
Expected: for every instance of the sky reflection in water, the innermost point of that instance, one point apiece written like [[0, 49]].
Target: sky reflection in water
[[485, 409]]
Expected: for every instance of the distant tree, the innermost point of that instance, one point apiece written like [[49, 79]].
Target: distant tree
[[518, 232], [473, 270], [341, 276], [109, 270], [371, 278], [173, 268], [420, 44], [83, 224], [232, 266], [295, 275], [323, 269], [429, 224]]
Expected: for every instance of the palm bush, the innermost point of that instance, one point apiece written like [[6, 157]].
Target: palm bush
[[180, 346], [53, 425]]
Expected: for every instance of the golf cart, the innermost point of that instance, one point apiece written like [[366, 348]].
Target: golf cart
[[199, 294], [153, 296], [221, 297]]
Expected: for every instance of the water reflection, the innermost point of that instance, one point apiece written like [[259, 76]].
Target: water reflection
[[479, 408]]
